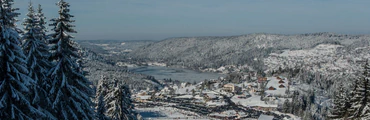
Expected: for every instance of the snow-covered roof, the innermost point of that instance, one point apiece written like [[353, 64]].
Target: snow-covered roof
[[145, 97], [210, 95], [274, 82], [185, 96], [185, 90], [225, 113], [254, 100], [229, 85], [265, 117], [213, 103]]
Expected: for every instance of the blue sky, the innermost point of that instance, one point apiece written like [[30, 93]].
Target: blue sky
[[160, 19]]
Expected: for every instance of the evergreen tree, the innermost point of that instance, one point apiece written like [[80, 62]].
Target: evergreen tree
[[41, 24], [15, 84], [361, 96], [100, 109], [70, 91], [102, 87], [286, 106], [340, 109], [307, 114], [37, 60], [119, 104], [294, 102], [366, 94], [101, 92], [193, 92]]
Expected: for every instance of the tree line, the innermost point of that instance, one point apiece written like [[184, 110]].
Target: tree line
[[42, 76], [355, 102]]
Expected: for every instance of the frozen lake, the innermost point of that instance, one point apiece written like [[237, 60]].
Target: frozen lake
[[183, 75]]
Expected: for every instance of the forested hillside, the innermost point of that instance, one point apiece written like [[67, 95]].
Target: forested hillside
[[97, 66], [251, 49]]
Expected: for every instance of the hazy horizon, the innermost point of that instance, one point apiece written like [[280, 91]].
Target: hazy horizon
[[158, 20]]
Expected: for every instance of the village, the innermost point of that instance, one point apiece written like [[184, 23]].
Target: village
[[236, 96]]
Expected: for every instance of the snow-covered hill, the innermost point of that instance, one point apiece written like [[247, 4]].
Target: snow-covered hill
[[322, 58], [251, 49], [97, 66]]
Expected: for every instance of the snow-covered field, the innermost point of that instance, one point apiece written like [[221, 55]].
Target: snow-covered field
[[168, 113], [255, 100]]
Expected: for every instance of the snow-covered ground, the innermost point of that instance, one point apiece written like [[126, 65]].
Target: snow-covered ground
[[275, 83], [254, 100], [229, 113], [213, 103], [168, 113], [272, 96]]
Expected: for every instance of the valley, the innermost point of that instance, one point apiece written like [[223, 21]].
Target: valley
[[313, 65]]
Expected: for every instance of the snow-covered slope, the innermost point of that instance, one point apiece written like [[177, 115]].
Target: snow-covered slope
[[322, 58], [97, 66], [251, 49]]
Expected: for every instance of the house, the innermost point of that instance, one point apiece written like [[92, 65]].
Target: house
[[252, 87], [265, 117], [144, 98], [231, 88], [262, 79], [281, 86], [186, 84], [281, 82], [278, 78], [210, 96], [159, 95], [272, 88], [269, 98], [143, 92], [168, 90]]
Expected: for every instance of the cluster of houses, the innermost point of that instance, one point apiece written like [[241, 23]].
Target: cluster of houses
[[261, 93], [281, 82]]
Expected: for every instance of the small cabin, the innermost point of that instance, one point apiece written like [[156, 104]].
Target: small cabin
[[281, 82], [144, 98], [262, 79], [272, 88], [210, 96], [265, 117], [281, 86], [231, 88]]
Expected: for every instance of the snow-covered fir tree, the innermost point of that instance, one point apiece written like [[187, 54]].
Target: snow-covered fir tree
[[286, 106], [15, 84], [102, 88], [119, 104], [361, 97], [100, 108], [341, 104], [101, 91], [37, 53], [41, 24], [70, 91]]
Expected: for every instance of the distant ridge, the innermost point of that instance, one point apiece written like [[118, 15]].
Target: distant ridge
[[250, 49]]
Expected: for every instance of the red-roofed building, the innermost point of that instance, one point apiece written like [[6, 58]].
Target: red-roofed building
[[272, 88], [281, 86]]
